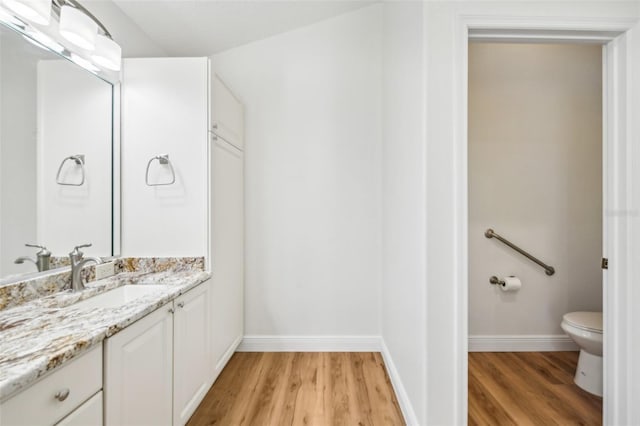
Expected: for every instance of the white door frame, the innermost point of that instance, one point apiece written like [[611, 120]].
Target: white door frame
[[618, 113]]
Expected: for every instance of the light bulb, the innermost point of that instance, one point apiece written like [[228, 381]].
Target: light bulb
[[108, 53], [38, 11], [78, 28]]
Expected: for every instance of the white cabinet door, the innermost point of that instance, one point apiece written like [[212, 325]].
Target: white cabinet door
[[138, 372], [88, 414], [192, 352], [227, 113], [227, 241]]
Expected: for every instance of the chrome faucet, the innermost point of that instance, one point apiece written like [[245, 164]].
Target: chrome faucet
[[42, 260], [77, 260]]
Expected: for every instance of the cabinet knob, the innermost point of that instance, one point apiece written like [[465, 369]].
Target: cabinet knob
[[180, 304], [62, 395], [214, 125], [171, 310]]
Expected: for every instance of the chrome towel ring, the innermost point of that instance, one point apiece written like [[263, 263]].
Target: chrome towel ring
[[164, 160], [79, 160]]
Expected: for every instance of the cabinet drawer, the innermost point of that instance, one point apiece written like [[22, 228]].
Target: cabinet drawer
[[88, 414], [38, 405]]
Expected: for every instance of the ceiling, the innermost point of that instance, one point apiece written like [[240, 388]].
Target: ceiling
[[205, 27]]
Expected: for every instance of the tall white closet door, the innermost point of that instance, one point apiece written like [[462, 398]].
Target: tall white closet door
[[227, 240]]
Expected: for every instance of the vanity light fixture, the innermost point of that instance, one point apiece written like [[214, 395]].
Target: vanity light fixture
[[84, 30], [74, 32], [78, 28], [38, 11], [108, 53]]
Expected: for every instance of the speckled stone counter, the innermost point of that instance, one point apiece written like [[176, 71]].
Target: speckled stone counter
[[41, 334]]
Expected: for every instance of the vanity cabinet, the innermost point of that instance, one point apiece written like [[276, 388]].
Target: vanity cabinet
[[157, 370], [71, 387], [138, 379], [191, 352]]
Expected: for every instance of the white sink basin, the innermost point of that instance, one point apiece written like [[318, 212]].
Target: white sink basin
[[118, 296]]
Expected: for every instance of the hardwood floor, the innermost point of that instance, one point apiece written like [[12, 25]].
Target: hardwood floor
[[528, 388], [301, 388]]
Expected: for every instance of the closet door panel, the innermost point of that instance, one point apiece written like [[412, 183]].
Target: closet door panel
[[227, 293]]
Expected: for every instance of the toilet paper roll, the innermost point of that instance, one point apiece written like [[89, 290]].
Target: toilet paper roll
[[511, 284]]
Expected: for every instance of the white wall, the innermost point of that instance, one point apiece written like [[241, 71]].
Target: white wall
[[535, 177], [446, 303], [164, 111], [312, 157], [17, 154], [404, 209]]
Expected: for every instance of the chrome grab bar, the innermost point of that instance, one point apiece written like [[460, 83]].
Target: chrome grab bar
[[490, 233]]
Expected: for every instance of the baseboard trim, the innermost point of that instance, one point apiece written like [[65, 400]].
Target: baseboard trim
[[521, 343], [258, 343], [403, 399], [228, 354]]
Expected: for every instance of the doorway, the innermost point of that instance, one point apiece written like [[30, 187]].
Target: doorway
[[535, 179], [618, 134]]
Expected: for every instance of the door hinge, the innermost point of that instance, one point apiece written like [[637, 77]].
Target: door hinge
[[605, 263]]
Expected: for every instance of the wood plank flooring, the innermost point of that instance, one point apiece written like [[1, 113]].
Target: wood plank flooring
[[528, 388], [301, 388]]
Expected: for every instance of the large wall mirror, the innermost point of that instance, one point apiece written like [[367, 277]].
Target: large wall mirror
[[56, 158]]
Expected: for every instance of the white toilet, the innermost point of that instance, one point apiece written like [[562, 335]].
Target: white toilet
[[585, 328]]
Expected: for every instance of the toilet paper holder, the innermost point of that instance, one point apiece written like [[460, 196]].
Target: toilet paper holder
[[496, 280], [510, 283]]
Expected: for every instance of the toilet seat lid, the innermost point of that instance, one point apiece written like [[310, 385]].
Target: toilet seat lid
[[591, 321]]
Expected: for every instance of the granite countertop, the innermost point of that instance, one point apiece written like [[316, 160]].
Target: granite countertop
[[39, 336]]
